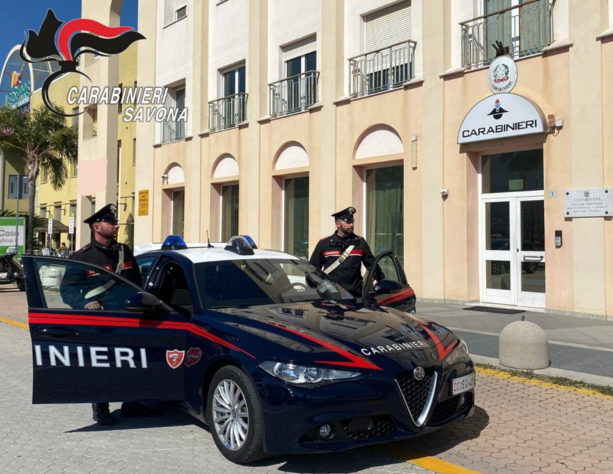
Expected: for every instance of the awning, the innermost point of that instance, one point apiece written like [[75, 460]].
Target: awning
[[58, 228], [501, 116]]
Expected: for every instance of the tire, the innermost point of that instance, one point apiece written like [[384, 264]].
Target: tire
[[21, 284], [239, 448]]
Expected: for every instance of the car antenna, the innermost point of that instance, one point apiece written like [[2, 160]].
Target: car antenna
[[209, 246]]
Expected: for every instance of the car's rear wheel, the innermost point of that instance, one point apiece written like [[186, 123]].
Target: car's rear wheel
[[234, 416]]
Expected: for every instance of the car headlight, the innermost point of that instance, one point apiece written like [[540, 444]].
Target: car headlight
[[459, 354], [306, 376]]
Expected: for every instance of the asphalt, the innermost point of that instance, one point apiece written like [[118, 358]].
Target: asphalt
[[579, 348]]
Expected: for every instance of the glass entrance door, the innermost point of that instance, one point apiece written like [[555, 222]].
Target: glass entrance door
[[531, 252], [513, 257]]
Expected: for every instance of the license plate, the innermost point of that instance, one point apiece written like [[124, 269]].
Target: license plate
[[463, 384]]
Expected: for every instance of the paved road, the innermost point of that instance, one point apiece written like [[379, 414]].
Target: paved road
[[517, 428]]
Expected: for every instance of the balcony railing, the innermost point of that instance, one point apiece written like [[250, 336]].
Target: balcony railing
[[524, 29], [382, 70], [294, 94], [173, 131], [227, 112]]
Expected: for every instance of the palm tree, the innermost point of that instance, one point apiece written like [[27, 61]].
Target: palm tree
[[44, 141]]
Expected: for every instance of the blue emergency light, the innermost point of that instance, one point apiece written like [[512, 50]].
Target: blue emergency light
[[250, 240], [240, 245], [174, 242]]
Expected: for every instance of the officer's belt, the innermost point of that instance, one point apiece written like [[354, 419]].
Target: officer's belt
[[102, 288], [340, 260]]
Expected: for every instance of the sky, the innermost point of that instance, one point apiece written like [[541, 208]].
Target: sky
[[16, 17]]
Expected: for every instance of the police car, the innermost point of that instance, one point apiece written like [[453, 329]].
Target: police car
[[261, 346]]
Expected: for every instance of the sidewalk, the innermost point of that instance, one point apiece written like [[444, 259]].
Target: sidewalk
[[579, 348]]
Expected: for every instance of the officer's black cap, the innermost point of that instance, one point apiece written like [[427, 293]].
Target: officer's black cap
[[107, 214], [345, 215]]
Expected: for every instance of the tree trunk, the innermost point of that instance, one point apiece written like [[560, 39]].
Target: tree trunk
[[31, 201]]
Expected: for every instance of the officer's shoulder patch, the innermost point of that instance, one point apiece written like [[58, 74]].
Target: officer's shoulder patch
[[83, 249], [321, 240], [358, 237]]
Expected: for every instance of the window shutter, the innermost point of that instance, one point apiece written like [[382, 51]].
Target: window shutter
[[300, 48], [387, 27]]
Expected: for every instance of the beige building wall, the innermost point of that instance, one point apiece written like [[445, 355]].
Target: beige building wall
[[442, 253]]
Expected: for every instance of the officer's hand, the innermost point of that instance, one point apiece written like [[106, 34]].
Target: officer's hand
[[94, 305]]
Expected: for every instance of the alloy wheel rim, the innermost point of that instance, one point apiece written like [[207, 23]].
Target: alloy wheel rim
[[230, 415]]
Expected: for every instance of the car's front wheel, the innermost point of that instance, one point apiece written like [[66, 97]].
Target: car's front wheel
[[234, 416]]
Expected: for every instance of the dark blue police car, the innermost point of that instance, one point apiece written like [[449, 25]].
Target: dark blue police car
[[261, 346]]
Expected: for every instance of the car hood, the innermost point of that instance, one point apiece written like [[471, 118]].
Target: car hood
[[366, 332]]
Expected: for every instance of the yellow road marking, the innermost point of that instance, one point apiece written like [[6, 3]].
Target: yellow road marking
[[421, 460], [541, 383], [14, 323]]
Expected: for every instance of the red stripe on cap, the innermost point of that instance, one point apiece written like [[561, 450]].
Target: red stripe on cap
[[356, 362], [442, 351]]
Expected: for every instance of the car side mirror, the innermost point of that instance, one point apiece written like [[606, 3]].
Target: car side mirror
[[142, 302], [385, 287]]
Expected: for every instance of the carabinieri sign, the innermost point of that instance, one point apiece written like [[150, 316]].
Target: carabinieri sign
[[501, 116]]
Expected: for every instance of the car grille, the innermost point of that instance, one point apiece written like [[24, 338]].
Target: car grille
[[444, 410], [380, 426], [415, 393]]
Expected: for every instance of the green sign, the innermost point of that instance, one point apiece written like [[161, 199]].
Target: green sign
[[19, 95], [8, 234]]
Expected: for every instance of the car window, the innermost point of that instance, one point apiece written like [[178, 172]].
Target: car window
[[174, 290], [69, 284], [261, 281], [145, 265]]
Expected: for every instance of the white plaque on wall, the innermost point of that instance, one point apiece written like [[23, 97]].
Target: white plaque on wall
[[594, 202]]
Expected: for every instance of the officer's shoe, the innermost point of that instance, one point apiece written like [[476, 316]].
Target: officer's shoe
[[130, 409], [103, 417]]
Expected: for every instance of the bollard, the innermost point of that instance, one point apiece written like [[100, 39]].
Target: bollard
[[523, 345]]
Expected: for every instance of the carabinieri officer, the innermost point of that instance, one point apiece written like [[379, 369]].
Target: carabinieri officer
[[341, 255], [88, 290]]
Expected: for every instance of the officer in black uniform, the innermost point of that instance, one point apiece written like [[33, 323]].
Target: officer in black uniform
[[90, 290], [341, 255]]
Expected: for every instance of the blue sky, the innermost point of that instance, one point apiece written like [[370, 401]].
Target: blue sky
[[16, 17]]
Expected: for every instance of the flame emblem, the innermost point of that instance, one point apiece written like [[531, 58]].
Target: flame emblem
[[65, 42]]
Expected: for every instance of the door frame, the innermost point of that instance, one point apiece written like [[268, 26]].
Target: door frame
[[514, 198]]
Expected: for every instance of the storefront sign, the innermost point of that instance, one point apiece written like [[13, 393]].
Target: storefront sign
[[587, 202], [143, 203], [502, 75], [501, 116], [8, 234]]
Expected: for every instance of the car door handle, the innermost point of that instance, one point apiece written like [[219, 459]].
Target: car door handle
[[532, 258], [57, 332]]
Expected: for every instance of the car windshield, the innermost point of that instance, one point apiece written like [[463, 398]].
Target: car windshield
[[253, 282]]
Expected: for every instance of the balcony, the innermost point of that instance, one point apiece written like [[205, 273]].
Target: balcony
[[524, 30], [294, 94], [173, 131], [228, 112], [382, 70]]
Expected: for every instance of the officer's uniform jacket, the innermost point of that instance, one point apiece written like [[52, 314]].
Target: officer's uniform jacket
[[76, 285], [349, 273]]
